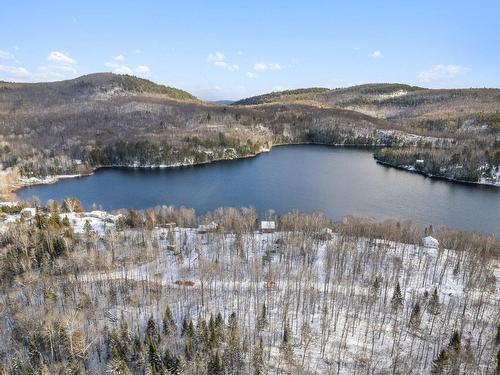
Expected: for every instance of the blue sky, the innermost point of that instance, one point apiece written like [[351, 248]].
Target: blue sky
[[228, 50]]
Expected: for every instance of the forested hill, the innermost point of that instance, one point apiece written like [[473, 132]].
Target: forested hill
[[50, 93], [441, 111], [107, 119]]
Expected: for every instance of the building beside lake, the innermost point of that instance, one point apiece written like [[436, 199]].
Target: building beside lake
[[267, 226]]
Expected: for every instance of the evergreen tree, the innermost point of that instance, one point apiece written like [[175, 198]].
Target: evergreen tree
[[397, 298], [497, 337], [455, 342], [66, 222], [219, 325], [215, 366], [185, 327], [258, 359], [152, 332], [87, 227], [262, 320], [497, 371], [136, 355], [154, 357], [233, 344], [376, 285], [190, 331], [170, 361], [286, 347], [189, 350], [117, 367], [434, 306], [440, 363], [286, 334], [214, 335], [202, 334], [416, 316], [168, 323]]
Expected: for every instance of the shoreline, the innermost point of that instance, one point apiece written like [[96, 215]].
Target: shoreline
[[23, 183], [54, 179], [436, 177]]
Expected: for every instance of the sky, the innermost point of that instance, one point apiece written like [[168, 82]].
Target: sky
[[234, 49]]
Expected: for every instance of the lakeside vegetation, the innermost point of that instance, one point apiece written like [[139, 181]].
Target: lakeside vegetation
[[470, 163], [139, 294]]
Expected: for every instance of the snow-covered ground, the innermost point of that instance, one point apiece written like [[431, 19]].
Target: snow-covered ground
[[335, 293], [29, 181], [327, 284], [100, 221]]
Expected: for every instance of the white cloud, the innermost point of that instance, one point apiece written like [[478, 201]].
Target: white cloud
[[15, 71], [142, 69], [251, 75], [43, 73], [440, 72], [61, 67], [216, 57], [4, 55], [60, 57], [376, 54], [57, 68], [266, 66], [53, 72], [219, 60], [232, 67], [118, 68]]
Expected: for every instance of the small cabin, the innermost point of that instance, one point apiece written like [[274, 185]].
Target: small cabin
[[267, 226], [207, 228], [430, 242]]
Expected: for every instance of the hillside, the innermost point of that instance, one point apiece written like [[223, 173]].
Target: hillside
[[440, 111], [81, 88], [74, 126], [282, 96]]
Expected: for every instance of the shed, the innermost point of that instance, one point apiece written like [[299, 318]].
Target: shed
[[267, 226], [431, 242]]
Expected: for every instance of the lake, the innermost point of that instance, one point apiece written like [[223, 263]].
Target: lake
[[336, 181]]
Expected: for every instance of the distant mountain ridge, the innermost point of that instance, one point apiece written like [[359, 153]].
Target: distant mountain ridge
[[107, 119]]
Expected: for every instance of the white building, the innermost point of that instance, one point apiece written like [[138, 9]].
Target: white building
[[267, 226], [431, 242], [205, 228]]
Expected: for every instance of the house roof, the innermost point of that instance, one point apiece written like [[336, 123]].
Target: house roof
[[267, 224]]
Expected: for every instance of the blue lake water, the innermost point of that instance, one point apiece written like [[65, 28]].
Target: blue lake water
[[336, 181]]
